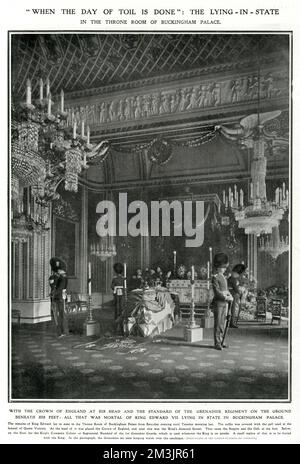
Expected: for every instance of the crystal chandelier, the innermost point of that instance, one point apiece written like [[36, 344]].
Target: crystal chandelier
[[274, 245], [45, 150]]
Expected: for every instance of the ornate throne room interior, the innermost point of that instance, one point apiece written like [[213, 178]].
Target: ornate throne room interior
[[174, 117]]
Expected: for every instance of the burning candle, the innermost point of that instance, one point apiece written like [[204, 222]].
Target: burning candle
[[62, 100], [28, 92], [49, 104], [90, 278], [74, 130], [88, 134], [47, 87], [41, 90], [82, 128], [210, 255], [174, 254]]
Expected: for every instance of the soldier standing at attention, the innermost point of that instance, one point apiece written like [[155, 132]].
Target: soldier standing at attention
[[236, 290], [221, 298], [117, 286]]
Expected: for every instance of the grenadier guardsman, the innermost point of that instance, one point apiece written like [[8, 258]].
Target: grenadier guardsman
[[118, 289], [236, 290], [221, 298], [59, 298]]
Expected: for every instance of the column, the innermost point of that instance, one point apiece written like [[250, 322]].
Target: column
[[252, 255], [84, 250]]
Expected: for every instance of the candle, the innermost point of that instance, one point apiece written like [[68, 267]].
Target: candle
[[257, 189], [174, 253], [41, 90], [74, 130], [193, 273], [88, 134], [251, 191], [49, 104], [28, 92], [62, 100], [208, 270], [224, 197], [210, 255], [287, 197], [47, 87], [283, 190], [125, 275], [82, 128], [235, 192], [241, 198], [90, 278]]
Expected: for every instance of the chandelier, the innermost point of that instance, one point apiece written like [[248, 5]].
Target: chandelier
[[261, 215], [103, 249], [274, 245], [45, 150]]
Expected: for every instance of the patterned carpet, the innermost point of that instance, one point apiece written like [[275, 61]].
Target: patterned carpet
[[255, 366]]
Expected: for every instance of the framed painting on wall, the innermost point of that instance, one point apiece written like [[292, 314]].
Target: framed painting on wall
[[66, 243]]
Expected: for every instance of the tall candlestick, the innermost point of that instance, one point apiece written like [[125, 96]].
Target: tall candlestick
[[41, 90], [88, 133], [90, 278], [74, 130], [125, 275], [193, 283], [49, 104], [28, 92], [82, 128], [62, 100], [47, 87]]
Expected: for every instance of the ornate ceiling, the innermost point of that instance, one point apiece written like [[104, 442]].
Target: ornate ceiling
[[78, 62]]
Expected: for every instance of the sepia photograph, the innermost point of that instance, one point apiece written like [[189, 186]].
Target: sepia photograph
[[149, 204]]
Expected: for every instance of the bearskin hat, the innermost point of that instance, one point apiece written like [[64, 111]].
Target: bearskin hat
[[118, 268], [57, 263], [220, 259], [239, 268]]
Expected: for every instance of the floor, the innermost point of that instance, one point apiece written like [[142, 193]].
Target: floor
[[254, 367]]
